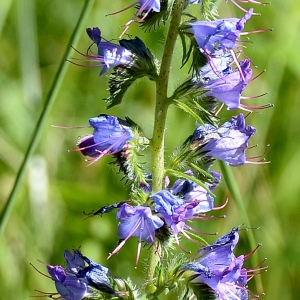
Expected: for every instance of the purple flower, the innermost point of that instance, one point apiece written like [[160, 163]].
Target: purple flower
[[109, 54], [148, 5], [228, 88], [218, 66], [174, 210], [110, 136], [145, 7], [226, 242], [219, 34], [94, 34], [227, 143], [68, 286], [137, 221], [220, 269]]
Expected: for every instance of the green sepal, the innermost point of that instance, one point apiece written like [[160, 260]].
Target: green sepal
[[179, 174], [118, 290], [128, 159], [133, 292], [122, 77], [189, 97], [209, 9], [167, 277], [188, 157], [202, 291], [194, 289]]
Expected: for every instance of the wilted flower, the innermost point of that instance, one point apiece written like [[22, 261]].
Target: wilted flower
[[227, 143], [110, 136], [82, 278]]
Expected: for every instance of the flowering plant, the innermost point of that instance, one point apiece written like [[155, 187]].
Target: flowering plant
[[165, 198]]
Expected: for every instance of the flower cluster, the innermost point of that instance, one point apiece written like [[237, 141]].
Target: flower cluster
[[220, 269], [158, 213], [169, 208]]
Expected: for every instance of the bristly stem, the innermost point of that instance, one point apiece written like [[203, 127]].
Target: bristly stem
[[162, 103], [43, 117]]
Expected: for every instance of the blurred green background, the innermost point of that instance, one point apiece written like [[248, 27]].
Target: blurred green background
[[48, 214]]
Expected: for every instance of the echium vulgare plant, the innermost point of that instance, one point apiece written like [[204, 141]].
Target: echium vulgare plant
[[166, 201]]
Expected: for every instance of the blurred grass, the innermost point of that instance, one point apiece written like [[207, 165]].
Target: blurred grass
[[47, 217]]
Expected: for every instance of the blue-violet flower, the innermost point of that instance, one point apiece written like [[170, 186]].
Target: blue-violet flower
[[220, 269], [219, 34], [136, 221], [228, 87], [110, 136], [190, 192], [174, 211], [227, 143], [109, 54]]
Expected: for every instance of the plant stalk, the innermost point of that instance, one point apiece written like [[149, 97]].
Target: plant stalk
[[161, 108]]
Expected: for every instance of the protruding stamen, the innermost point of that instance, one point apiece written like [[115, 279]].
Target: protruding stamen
[[70, 127], [253, 97], [256, 31]]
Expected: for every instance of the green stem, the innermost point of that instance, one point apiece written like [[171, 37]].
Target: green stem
[[43, 117], [234, 189], [162, 103]]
